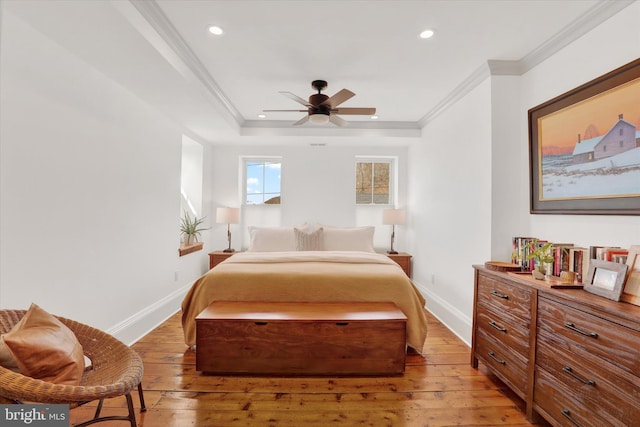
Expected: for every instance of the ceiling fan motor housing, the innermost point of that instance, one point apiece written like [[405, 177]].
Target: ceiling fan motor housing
[[317, 99]]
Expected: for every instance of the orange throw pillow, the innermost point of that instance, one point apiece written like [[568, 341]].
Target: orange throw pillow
[[44, 348]]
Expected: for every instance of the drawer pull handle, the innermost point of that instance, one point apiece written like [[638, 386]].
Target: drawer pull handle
[[260, 323], [493, 356], [567, 414], [580, 331], [496, 326], [499, 295], [342, 323], [569, 371]]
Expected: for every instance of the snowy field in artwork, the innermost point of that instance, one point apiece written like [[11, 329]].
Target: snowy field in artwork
[[615, 176]]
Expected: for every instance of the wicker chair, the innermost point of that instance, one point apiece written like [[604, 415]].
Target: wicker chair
[[115, 371]]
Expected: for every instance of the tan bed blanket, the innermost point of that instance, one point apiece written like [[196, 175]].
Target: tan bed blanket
[[320, 276]]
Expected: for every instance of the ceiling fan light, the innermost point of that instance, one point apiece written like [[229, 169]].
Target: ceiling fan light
[[319, 119]]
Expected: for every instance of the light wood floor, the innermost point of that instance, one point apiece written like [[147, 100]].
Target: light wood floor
[[439, 388]]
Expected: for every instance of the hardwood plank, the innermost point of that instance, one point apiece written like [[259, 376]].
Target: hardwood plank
[[438, 388]]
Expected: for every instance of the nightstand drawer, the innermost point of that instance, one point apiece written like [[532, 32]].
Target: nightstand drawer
[[216, 257]]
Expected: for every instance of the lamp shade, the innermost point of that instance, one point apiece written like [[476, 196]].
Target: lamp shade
[[393, 216], [228, 215]]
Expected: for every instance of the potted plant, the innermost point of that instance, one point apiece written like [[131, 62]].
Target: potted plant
[[190, 228], [542, 255]]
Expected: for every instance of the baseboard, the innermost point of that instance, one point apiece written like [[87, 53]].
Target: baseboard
[[459, 323], [135, 327]]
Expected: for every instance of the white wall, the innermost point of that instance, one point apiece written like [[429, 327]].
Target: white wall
[[318, 185], [90, 192], [614, 43], [484, 138], [450, 201]]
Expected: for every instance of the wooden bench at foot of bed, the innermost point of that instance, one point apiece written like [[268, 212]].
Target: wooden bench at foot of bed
[[301, 338]]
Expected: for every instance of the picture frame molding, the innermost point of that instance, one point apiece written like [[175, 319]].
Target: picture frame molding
[[577, 206], [619, 268]]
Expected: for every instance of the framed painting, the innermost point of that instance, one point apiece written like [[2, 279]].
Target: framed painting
[[584, 148], [631, 291]]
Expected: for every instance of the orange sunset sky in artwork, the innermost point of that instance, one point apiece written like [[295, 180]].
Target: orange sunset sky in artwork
[[559, 130]]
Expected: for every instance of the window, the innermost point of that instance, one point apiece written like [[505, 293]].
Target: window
[[374, 181], [262, 179]]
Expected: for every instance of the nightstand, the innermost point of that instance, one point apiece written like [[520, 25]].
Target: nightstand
[[403, 259], [216, 257]]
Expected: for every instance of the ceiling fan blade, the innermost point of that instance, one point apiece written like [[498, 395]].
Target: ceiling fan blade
[[338, 121], [339, 98], [282, 111], [296, 98], [302, 121], [361, 111]]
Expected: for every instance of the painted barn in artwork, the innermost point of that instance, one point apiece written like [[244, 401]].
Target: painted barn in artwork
[[622, 137]]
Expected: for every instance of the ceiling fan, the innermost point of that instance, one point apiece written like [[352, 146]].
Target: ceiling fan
[[323, 109]]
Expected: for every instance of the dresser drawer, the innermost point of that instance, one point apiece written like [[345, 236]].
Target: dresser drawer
[[599, 337], [597, 389], [561, 404], [500, 297], [512, 333], [510, 366]]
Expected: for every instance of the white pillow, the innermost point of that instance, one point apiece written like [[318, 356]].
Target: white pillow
[[348, 239], [271, 239]]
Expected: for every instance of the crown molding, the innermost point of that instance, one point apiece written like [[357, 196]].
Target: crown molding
[[586, 22], [154, 15]]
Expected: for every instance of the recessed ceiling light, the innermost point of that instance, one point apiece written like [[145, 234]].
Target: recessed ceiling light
[[374, 117], [214, 29], [262, 116], [427, 34]]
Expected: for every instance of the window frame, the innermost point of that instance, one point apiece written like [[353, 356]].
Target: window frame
[[392, 162], [245, 168]]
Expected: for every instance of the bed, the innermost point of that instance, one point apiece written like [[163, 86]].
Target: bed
[[308, 276]]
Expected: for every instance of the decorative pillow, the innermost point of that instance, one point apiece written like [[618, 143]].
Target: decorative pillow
[[309, 241], [6, 359], [348, 239], [271, 239], [44, 348]]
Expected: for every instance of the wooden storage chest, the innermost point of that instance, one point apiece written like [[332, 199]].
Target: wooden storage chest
[[299, 338]]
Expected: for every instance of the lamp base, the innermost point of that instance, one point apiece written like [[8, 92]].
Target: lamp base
[[392, 252], [229, 250]]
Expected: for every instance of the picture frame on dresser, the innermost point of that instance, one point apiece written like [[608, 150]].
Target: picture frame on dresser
[[577, 142], [606, 278], [631, 290]]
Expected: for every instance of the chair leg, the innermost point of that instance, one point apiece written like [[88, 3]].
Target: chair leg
[[98, 409], [132, 414], [143, 407]]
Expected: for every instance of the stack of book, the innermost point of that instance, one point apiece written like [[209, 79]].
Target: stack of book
[[566, 256]]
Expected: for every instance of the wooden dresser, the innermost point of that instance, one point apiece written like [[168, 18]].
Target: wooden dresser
[[573, 357]]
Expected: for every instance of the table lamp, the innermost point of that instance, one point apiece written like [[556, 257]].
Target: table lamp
[[228, 216], [393, 217]]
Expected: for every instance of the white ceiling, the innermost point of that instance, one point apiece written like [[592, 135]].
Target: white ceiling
[[215, 87]]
